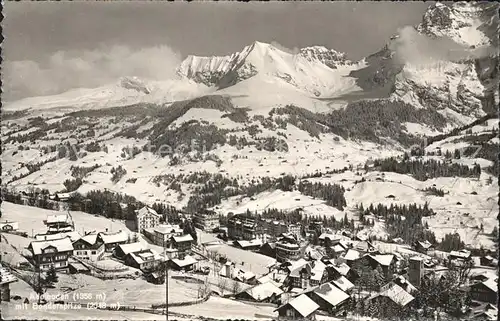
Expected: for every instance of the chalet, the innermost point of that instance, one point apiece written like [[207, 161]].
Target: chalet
[[351, 256], [186, 264], [423, 247], [9, 226], [342, 269], [182, 243], [77, 267], [391, 300], [144, 260], [299, 308], [112, 240], [387, 263], [59, 223], [122, 250], [329, 297], [266, 292], [6, 278], [146, 218], [251, 245], [229, 270], [51, 253], [63, 197], [89, 247], [308, 275], [486, 312], [364, 247], [486, 291], [405, 284]]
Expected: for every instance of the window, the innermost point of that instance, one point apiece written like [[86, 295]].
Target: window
[[93, 252]]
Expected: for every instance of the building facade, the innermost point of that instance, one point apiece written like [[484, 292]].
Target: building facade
[[242, 227], [51, 253], [287, 249], [89, 247], [146, 218], [206, 220]]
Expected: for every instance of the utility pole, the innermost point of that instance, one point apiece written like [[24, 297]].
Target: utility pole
[[166, 280]]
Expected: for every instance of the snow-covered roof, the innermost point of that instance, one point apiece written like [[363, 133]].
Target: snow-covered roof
[[343, 283], [397, 294], [268, 278], [383, 259], [318, 270], [337, 248], [73, 236], [116, 237], [242, 274], [331, 294], [131, 247], [405, 284], [491, 284], [254, 242], [426, 244], [352, 255], [6, 276], [15, 225], [146, 211], [461, 254], [63, 244], [167, 229], [143, 256], [188, 260], [331, 236], [343, 269], [303, 305], [183, 238], [57, 218], [263, 291], [90, 238]]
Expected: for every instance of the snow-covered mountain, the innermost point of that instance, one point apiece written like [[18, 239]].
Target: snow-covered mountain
[[317, 71]]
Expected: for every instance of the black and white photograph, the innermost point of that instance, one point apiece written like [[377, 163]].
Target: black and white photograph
[[267, 161]]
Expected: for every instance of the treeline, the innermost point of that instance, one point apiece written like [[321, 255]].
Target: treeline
[[333, 194], [425, 169], [402, 221]]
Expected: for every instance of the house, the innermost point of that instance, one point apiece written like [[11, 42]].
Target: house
[[424, 247], [391, 300], [364, 247], [185, 264], [342, 269], [51, 253], [144, 260], [229, 270], [405, 284], [9, 226], [206, 220], [329, 297], [6, 278], [488, 261], [162, 234], [387, 262], [299, 308], [351, 256], [63, 197], [111, 240], [89, 247], [59, 222], [308, 275], [486, 291], [122, 250], [182, 243], [462, 255], [486, 312], [146, 218], [265, 292]]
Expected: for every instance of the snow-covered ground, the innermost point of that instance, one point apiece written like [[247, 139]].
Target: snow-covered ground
[[250, 261]]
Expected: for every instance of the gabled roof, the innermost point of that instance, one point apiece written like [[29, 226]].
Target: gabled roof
[[263, 291], [318, 270], [426, 244], [384, 259], [254, 242], [188, 260], [90, 238], [343, 283], [146, 211], [116, 237], [461, 254], [303, 305], [241, 274], [343, 269], [331, 294], [131, 247], [183, 238], [57, 218], [167, 229], [140, 257], [491, 284], [352, 255], [63, 244], [73, 236], [397, 294]]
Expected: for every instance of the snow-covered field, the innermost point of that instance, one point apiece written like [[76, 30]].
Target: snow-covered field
[[250, 261]]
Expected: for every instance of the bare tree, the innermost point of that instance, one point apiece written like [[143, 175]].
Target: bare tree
[[222, 284], [235, 287]]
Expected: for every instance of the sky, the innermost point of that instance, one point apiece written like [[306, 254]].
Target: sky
[[51, 47]]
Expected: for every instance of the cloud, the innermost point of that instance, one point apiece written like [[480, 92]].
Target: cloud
[[65, 70], [415, 48]]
